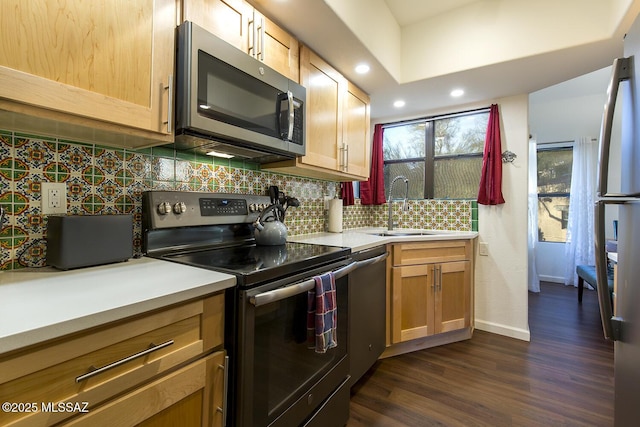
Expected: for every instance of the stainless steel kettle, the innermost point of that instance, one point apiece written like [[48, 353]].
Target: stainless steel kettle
[[269, 230]]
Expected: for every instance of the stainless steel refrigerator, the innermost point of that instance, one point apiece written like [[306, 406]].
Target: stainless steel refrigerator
[[622, 324]]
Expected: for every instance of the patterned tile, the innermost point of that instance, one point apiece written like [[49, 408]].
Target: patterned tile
[[102, 180]]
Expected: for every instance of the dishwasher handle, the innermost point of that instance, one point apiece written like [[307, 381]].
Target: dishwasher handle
[[309, 284]]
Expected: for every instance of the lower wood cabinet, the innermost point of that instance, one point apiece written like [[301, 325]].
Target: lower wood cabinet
[[430, 294], [153, 367], [189, 397]]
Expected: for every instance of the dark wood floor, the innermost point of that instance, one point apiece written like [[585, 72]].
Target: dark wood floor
[[563, 377]]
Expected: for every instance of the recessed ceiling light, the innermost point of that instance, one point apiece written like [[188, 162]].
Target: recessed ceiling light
[[399, 103], [457, 92], [362, 69]]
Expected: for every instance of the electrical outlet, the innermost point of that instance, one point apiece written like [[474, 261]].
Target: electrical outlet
[[54, 198], [484, 249]]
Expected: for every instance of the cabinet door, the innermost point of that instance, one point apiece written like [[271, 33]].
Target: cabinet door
[[356, 145], [412, 311], [452, 297], [191, 396], [325, 92], [275, 47], [89, 60], [227, 19]]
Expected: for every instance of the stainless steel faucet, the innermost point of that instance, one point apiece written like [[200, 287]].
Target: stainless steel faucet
[[390, 200]]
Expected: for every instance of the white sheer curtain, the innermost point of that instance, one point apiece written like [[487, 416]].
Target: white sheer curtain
[[580, 248], [532, 239]]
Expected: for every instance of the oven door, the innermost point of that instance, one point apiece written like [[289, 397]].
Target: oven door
[[281, 381]]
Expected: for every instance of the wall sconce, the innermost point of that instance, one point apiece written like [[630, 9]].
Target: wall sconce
[[508, 156]]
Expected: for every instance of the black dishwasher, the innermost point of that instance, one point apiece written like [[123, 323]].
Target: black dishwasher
[[367, 312]]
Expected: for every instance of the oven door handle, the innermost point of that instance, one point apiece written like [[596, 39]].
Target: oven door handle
[[309, 284]]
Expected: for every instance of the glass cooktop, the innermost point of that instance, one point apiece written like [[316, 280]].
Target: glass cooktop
[[253, 264]]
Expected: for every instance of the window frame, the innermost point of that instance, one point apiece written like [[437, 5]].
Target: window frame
[[430, 157], [556, 146]]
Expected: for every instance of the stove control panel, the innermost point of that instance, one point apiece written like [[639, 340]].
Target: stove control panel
[[167, 209], [221, 206]]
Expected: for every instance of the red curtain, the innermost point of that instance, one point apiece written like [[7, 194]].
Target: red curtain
[[490, 192], [347, 193], [372, 190]]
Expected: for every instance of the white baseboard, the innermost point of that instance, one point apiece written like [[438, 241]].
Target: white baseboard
[[554, 279], [499, 329]]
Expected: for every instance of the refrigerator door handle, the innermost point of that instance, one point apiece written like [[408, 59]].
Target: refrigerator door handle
[[621, 71], [611, 324]]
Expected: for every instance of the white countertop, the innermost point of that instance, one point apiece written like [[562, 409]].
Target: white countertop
[[40, 304], [37, 305], [365, 238]]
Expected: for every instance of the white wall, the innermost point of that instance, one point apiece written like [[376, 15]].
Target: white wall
[[501, 295], [550, 261]]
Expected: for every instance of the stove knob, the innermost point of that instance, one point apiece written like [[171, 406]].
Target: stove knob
[[253, 207], [261, 207], [180, 208], [164, 208]]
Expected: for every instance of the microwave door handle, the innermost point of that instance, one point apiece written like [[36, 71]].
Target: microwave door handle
[[291, 115], [621, 71]]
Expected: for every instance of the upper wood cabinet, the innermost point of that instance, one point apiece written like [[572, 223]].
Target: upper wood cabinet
[[337, 121], [239, 24], [355, 135], [89, 70]]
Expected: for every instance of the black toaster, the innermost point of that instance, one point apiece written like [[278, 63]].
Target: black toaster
[[75, 241]]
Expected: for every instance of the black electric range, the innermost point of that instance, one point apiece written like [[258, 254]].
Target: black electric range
[[215, 231], [274, 378]]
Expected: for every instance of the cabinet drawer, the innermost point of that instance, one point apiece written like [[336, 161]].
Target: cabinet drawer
[[190, 396], [431, 252], [131, 352]]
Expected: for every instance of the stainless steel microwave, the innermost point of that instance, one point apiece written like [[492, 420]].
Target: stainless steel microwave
[[230, 103]]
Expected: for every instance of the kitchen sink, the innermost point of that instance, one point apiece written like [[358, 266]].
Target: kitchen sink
[[407, 233]]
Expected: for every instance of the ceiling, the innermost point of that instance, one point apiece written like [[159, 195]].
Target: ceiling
[[540, 44], [408, 12]]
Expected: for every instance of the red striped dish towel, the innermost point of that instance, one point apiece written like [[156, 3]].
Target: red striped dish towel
[[322, 314]]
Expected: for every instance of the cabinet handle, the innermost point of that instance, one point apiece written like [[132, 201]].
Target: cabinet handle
[[225, 392], [437, 278], [346, 155], [256, 47], [93, 371], [434, 285], [261, 46], [254, 35], [169, 88]]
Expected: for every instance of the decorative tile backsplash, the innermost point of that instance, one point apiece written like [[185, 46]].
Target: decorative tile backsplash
[[102, 180], [452, 215]]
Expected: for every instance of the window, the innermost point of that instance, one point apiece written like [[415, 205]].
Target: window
[[441, 156], [554, 185]]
